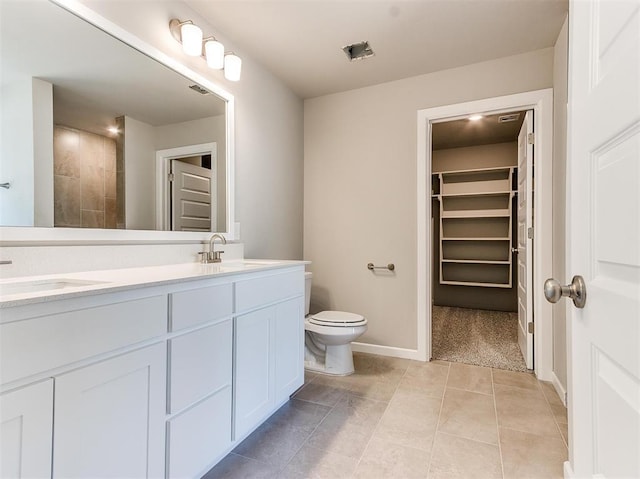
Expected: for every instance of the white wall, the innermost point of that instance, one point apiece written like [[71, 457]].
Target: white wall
[[16, 204], [269, 130], [360, 186], [560, 97], [42, 152], [139, 174]]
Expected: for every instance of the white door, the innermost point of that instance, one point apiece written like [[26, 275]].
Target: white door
[[604, 237], [525, 240], [191, 194], [26, 423]]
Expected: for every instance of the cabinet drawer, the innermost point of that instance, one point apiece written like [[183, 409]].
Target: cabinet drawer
[[39, 344], [196, 306], [200, 436], [256, 292], [200, 364]]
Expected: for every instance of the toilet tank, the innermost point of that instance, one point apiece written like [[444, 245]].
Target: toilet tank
[[307, 292]]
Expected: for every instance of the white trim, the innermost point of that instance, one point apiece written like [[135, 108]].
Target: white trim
[[163, 162], [386, 351], [568, 471], [34, 235], [541, 101], [557, 385]]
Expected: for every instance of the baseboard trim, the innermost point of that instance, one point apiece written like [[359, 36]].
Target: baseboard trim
[[557, 385], [568, 471], [386, 351]]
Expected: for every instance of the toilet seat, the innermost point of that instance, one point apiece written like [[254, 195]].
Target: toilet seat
[[337, 319]]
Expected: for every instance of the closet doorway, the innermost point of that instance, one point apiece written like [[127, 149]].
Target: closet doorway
[[536, 258], [481, 174]]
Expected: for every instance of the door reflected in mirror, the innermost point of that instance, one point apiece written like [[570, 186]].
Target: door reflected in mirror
[[86, 124]]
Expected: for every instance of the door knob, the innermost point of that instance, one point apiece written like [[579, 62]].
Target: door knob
[[577, 291]]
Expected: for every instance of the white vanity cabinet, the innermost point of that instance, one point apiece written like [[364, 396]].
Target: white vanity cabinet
[[26, 424], [147, 382], [269, 353]]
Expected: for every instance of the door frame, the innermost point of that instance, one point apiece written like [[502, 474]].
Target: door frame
[[163, 166], [541, 102]]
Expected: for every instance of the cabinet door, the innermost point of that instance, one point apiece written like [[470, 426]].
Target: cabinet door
[[289, 348], [109, 417], [26, 421], [254, 369]]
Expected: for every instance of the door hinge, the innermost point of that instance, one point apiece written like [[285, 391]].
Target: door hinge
[[530, 233], [171, 176], [531, 138], [530, 327]]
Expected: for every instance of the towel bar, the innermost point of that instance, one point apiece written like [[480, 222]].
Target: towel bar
[[389, 267]]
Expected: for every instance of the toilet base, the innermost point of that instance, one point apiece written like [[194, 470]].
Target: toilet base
[[336, 360]]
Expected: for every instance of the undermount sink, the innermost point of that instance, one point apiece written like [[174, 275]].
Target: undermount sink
[[24, 287]]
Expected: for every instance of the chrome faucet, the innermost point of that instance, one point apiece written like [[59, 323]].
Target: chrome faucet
[[214, 256]]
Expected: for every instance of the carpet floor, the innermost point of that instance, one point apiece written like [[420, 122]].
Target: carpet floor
[[472, 336]]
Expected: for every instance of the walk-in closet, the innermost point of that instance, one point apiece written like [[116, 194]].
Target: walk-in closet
[[475, 214]]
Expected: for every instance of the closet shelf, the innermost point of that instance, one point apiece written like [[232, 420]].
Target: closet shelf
[[476, 220], [477, 193], [496, 213], [449, 238], [484, 285], [475, 261], [474, 170]]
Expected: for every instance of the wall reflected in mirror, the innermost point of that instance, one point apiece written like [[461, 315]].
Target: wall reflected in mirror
[[84, 119]]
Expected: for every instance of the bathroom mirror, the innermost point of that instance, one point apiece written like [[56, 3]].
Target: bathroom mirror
[[94, 132]]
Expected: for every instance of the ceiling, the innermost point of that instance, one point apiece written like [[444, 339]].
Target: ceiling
[[300, 41], [485, 131]]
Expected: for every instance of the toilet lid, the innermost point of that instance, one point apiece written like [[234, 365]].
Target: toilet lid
[[337, 318]]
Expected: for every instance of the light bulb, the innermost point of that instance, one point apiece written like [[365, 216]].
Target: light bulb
[[214, 51], [191, 39], [232, 67]]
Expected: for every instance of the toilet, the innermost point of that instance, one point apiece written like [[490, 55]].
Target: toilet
[[328, 337]]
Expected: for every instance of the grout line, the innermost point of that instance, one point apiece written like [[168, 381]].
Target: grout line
[[495, 408], [435, 434]]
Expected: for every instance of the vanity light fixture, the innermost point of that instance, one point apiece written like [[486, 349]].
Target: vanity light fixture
[[214, 53], [113, 130], [193, 44], [232, 66], [475, 117]]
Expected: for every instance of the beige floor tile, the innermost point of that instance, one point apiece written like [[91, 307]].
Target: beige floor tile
[[273, 444], [234, 467], [470, 415], [384, 459], [300, 414], [456, 457], [519, 380], [564, 431], [527, 455], [320, 394], [309, 376], [409, 421], [316, 463], [558, 409], [379, 368], [470, 378], [357, 410], [343, 438], [524, 410], [430, 378], [363, 386]]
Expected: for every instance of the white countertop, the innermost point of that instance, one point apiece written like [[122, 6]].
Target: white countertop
[[71, 285]]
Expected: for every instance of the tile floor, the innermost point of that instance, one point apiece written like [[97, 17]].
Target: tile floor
[[397, 418]]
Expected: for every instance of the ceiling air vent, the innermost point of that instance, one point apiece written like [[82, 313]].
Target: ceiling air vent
[[508, 118], [358, 51], [199, 89]]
